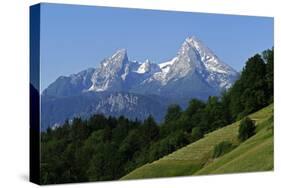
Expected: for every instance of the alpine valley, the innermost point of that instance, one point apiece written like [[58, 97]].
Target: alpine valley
[[135, 89]]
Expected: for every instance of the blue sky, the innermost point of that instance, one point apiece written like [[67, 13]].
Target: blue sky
[[74, 37]]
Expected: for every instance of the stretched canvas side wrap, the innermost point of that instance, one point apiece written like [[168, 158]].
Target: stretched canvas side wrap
[[119, 94]]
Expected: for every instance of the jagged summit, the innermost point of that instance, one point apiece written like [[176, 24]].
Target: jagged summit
[[188, 44], [193, 38], [144, 67], [120, 53], [107, 76], [118, 57], [219, 74]]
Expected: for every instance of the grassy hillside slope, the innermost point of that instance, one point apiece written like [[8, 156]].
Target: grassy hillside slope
[[255, 154]]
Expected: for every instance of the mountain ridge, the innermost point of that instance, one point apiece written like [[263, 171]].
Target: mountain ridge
[[117, 72]]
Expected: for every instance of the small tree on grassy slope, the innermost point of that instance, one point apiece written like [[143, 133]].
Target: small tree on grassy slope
[[247, 129], [222, 148]]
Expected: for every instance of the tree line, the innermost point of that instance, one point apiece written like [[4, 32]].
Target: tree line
[[107, 148]]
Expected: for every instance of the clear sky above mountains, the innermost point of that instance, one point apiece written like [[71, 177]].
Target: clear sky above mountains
[[74, 38]]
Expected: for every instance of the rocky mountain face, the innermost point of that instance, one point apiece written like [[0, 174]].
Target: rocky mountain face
[[74, 84], [136, 89]]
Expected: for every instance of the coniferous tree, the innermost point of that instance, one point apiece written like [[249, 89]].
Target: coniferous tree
[[173, 113], [268, 55]]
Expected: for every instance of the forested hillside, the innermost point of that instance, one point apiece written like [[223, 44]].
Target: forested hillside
[[202, 157]]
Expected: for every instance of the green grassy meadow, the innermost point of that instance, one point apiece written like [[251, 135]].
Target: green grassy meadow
[[255, 154]]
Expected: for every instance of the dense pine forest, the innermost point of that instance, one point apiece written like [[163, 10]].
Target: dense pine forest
[[107, 148]]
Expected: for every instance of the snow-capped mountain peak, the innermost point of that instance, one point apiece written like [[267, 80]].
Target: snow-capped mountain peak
[[147, 67], [108, 75], [208, 57], [180, 66], [117, 58], [144, 67], [219, 74], [120, 53], [192, 58]]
